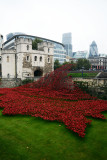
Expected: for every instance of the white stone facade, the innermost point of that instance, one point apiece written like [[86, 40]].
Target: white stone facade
[[23, 62]]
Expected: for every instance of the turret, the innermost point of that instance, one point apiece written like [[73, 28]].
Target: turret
[[1, 43], [47, 47], [23, 45]]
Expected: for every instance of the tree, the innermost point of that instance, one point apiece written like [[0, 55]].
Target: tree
[[83, 63], [35, 43], [74, 65], [65, 63], [87, 64], [80, 64], [56, 64]]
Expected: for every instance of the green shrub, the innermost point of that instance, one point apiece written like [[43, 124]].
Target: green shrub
[[93, 90], [25, 81]]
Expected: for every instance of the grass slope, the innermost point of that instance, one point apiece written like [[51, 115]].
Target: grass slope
[[86, 75], [30, 138]]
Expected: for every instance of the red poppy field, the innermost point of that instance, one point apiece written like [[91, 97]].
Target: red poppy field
[[55, 98]]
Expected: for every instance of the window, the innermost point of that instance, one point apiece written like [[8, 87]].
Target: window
[[8, 75], [7, 58], [27, 47], [40, 59], [35, 58], [48, 59], [48, 50], [0, 58], [27, 58]]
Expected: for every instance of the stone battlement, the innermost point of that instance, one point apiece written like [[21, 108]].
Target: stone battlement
[[23, 40], [45, 44]]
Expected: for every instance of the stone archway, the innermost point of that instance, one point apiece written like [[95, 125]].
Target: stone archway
[[38, 73]]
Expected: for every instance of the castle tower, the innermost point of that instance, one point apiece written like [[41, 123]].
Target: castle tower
[[1, 43], [23, 45], [29, 62]]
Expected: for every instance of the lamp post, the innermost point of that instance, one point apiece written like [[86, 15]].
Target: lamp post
[[82, 71]]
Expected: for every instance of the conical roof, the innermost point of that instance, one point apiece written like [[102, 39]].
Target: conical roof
[[93, 43]]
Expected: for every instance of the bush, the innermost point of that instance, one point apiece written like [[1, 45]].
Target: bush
[[93, 91], [25, 81]]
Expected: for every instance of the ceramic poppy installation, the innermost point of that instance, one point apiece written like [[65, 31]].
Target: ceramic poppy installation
[[54, 97]]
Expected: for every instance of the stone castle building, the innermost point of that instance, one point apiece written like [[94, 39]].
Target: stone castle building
[[98, 63], [23, 62]]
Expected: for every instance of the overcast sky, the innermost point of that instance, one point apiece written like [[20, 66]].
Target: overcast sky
[[85, 19]]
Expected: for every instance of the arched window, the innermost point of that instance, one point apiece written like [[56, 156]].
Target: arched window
[[27, 47], [7, 58], [40, 59], [35, 58]]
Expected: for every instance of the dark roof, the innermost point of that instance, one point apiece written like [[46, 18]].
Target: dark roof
[[102, 75], [30, 36]]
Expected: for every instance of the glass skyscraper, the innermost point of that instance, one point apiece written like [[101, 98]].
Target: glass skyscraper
[[10, 35], [93, 52], [67, 41], [80, 54]]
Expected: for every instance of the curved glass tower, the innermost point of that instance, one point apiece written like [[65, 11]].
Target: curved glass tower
[[93, 52], [10, 35]]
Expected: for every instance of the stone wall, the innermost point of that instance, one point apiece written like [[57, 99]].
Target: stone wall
[[10, 83], [95, 82], [48, 65]]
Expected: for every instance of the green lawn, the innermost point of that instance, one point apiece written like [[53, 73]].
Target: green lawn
[[84, 74], [30, 138]]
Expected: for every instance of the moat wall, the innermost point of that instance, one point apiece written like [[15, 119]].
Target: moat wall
[[10, 83], [93, 82], [96, 82]]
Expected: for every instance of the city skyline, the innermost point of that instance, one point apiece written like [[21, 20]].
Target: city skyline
[[85, 19]]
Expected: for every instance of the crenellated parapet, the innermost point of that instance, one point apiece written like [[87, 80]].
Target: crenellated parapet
[[22, 40], [10, 51], [45, 44], [23, 44], [47, 47]]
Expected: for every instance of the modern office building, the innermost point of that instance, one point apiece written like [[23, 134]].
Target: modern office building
[[59, 51], [67, 41], [10, 35], [93, 51], [80, 54]]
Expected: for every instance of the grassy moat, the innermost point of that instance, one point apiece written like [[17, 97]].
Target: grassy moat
[[30, 138]]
